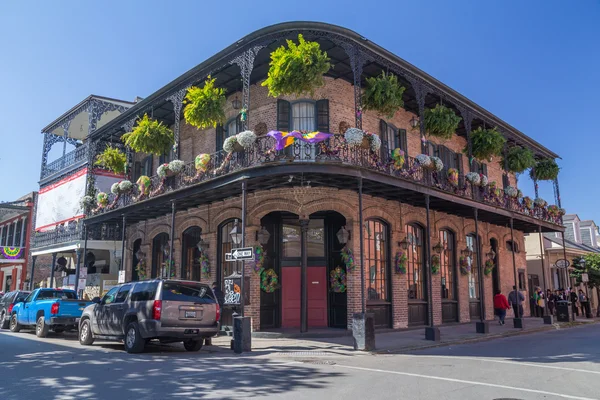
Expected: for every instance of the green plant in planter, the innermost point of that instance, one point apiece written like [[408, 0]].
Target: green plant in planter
[[441, 121], [486, 143], [297, 69], [518, 159], [383, 94], [204, 107], [149, 136], [545, 169], [112, 159]]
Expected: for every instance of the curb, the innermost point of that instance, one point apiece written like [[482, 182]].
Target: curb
[[568, 325]]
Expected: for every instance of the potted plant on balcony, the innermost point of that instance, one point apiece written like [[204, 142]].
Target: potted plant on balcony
[[473, 178], [398, 158], [297, 69], [453, 177], [528, 203], [383, 94], [540, 203], [545, 170], [149, 136], [204, 107], [424, 161], [437, 163], [486, 143], [112, 159], [240, 142], [358, 138], [518, 159], [441, 121], [144, 184], [511, 192]]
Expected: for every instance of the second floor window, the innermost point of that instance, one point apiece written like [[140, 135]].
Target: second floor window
[[303, 115], [394, 137]]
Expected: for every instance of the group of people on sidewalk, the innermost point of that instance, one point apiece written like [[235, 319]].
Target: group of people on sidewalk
[[539, 298]]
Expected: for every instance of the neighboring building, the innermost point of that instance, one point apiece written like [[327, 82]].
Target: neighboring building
[[302, 196], [63, 181], [15, 232]]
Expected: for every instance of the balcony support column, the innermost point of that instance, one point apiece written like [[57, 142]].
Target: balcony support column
[[548, 318], [78, 266], [518, 320], [172, 241], [52, 268], [482, 326], [468, 121], [123, 235], [31, 283], [421, 90], [431, 332]]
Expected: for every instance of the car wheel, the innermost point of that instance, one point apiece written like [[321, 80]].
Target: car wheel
[[3, 323], [14, 325], [85, 333], [134, 342], [192, 345], [41, 328]]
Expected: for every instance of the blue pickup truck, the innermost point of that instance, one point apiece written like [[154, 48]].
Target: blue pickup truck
[[47, 309]]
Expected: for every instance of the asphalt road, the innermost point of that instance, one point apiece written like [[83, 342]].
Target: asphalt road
[[563, 364]]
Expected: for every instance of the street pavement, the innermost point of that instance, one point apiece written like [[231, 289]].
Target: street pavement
[[558, 364]]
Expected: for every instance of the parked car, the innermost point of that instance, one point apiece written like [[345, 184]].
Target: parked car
[[164, 309], [47, 309], [7, 303]]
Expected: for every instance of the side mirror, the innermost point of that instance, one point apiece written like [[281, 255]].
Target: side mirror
[[96, 300]]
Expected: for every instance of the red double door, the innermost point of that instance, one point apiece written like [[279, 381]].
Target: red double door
[[317, 297]]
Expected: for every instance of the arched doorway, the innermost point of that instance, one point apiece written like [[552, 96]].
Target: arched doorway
[[377, 271], [135, 261], [190, 253], [417, 277], [496, 270], [160, 255], [448, 276], [473, 277]]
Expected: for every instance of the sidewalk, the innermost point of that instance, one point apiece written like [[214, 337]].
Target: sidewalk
[[397, 341]]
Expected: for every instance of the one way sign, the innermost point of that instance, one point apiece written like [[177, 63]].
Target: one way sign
[[243, 254]]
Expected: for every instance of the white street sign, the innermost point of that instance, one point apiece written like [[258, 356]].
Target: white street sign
[[585, 277], [243, 254]]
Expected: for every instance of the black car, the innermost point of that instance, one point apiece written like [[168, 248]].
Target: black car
[[6, 305]]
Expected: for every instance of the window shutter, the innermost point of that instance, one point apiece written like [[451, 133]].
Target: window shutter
[[382, 129], [137, 170], [475, 166], [147, 169], [219, 137], [283, 115], [323, 115], [402, 140], [505, 181], [459, 163], [484, 169], [238, 124]]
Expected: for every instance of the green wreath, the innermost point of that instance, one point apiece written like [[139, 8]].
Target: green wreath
[[269, 281], [337, 278]]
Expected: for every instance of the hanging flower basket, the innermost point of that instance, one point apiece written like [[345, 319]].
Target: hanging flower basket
[[400, 262], [114, 189], [87, 202], [125, 186], [511, 192], [473, 178], [438, 165], [269, 281], [297, 69], [541, 203], [453, 177], [441, 121], [149, 136], [231, 145], [518, 159], [465, 267], [348, 259], [337, 279], [553, 211], [144, 183], [436, 262], [102, 199], [354, 137], [486, 143], [483, 180], [374, 142], [204, 107], [488, 267], [383, 94], [176, 167], [202, 162], [528, 203], [398, 158], [112, 159], [545, 170], [424, 161], [246, 139], [163, 170]]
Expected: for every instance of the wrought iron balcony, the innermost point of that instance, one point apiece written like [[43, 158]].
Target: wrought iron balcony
[[74, 232], [74, 157], [334, 151]]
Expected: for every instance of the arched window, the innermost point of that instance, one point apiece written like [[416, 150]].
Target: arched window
[[416, 276], [377, 260], [190, 254], [160, 255], [447, 264], [474, 271], [225, 244], [135, 261]]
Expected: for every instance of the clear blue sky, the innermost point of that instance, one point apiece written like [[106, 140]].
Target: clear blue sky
[[535, 64]]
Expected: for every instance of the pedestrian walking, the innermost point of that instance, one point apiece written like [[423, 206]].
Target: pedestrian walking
[[500, 306], [551, 298], [516, 299], [582, 302], [218, 294], [574, 299], [540, 302]]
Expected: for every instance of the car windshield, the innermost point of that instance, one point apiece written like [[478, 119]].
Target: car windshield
[[187, 291], [56, 294]]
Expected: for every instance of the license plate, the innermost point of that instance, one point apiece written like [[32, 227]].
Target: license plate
[[190, 314]]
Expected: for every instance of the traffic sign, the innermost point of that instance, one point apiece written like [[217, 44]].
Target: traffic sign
[[585, 277], [562, 263], [242, 254]]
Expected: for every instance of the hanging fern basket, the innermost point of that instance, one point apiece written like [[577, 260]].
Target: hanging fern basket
[[149, 136], [112, 159], [297, 69], [486, 143], [383, 94], [518, 159], [204, 107], [441, 121], [545, 170]]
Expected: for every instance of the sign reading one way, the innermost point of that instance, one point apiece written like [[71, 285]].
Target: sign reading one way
[[243, 254]]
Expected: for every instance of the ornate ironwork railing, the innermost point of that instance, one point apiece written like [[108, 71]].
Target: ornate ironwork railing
[[73, 157], [74, 232], [333, 151]]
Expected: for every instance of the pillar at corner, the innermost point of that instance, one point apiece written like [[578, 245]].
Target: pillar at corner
[[363, 331]]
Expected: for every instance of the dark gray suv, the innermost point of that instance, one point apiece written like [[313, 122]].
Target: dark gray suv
[[163, 309], [7, 303]]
